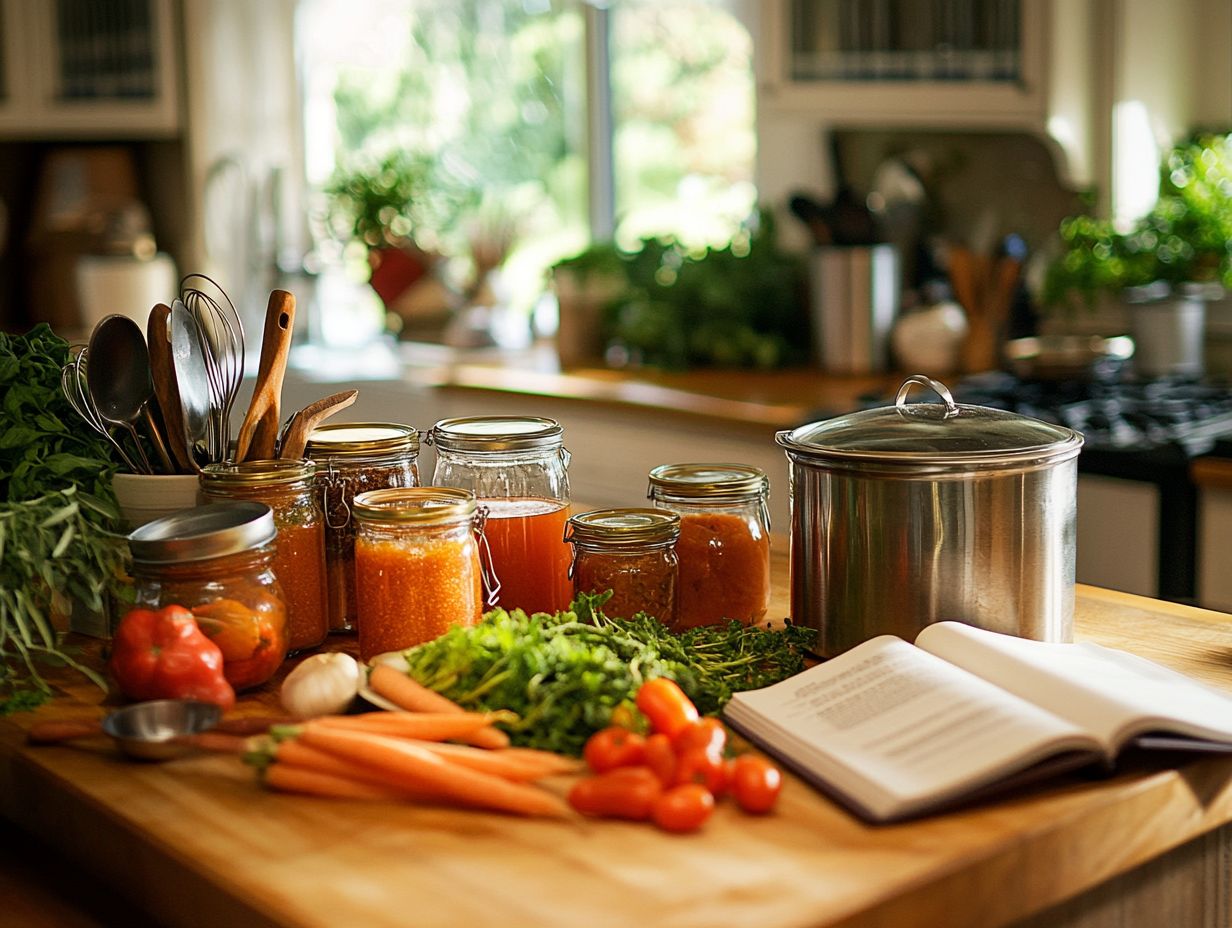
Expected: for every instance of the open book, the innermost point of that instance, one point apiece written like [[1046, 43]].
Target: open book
[[894, 730]]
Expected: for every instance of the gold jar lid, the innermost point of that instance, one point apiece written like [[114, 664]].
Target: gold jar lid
[[624, 527], [361, 439], [496, 434], [255, 474], [716, 482], [419, 505]]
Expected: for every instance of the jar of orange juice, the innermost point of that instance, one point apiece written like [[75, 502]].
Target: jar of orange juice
[[518, 469], [724, 544], [417, 567]]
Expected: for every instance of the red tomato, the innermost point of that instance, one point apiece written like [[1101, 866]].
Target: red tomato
[[698, 765], [613, 747], [683, 808], [707, 734], [626, 792], [661, 758], [666, 705], [756, 783]]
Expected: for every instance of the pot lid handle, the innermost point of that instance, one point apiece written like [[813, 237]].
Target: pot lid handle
[[900, 400]]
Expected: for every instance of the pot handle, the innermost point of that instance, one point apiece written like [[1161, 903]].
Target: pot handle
[[900, 400]]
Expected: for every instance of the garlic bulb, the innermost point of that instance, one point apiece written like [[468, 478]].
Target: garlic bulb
[[323, 684]]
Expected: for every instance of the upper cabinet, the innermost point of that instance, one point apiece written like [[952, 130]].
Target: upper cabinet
[[88, 69], [908, 62]]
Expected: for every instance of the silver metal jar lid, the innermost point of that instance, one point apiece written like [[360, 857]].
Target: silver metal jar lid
[[203, 532], [622, 527], [495, 434], [361, 439], [931, 435], [707, 482], [419, 505]]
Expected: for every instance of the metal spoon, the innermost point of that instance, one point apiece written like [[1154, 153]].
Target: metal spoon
[[118, 378], [73, 385], [192, 378]]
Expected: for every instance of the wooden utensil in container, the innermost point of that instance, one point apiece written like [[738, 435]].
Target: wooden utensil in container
[[295, 438], [258, 433], [166, 390]]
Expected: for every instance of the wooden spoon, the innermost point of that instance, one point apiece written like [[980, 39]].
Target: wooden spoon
[[166, 390], [308, 418], [259, 431]]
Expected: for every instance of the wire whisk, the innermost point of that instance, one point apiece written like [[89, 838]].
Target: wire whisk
[[222, 342]]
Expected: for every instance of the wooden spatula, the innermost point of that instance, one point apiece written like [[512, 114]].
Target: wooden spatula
[[166, 390], [259, 430], [308, 418]]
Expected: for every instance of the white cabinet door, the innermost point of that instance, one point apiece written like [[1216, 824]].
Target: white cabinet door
[[1118, 534]]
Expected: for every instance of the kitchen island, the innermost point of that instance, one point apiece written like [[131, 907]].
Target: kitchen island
[[196, 841]]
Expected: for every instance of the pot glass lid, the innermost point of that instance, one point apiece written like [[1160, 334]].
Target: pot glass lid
[[931, 427]]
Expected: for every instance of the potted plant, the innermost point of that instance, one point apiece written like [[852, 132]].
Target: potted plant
[[585, 284], [1165, 266]]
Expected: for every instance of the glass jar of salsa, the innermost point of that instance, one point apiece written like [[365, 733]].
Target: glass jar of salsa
[[353, 458], [217, 561], [299, 556], [417, 569], [631, 552], [724, 546], [518, 469]]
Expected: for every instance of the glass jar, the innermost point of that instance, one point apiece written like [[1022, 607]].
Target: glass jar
[[631, 552], [217, 562], [417, 570], [518, 469], [724, 545], [353, 458], [299, 557]]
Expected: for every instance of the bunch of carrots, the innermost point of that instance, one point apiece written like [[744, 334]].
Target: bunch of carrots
[[409, 755]]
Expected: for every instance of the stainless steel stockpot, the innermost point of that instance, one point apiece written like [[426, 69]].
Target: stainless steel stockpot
[[910, 514]]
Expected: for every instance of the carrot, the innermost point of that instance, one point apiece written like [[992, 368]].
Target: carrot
[[406, 692], [408, 766], [288, 778], [548, 761], [294, 753], [496, 762], [424, 726]]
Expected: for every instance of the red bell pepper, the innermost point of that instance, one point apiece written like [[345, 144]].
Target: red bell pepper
[[163, 654]]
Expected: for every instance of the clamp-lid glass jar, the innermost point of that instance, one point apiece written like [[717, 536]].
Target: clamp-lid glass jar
[[724, 546], [353, 458], [299, 557], [417, 569], [518, 469], [631, 552], [217, 561]]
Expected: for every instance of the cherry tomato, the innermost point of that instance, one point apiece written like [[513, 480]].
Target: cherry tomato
[[666, 705], [626, 792], [707, 734], [661, 758], [698, 765], [613, 747], [683, 808], [756, 783]]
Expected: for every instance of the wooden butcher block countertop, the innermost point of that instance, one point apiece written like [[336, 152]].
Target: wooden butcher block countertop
[[196, 841]]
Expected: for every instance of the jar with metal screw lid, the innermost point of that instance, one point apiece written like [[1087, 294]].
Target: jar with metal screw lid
[[217, 561], [631, 552], [417, 566], [353, 458], [518, 469], [724, 546], [299, 558]]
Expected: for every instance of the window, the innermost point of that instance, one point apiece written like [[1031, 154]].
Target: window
[[499, 106]]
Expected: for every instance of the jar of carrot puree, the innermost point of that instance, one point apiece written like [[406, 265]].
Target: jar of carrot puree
[[353, 458], [217, 561], [518, 469], [724, 546], [632, 553], [417, 569], [299, 555]]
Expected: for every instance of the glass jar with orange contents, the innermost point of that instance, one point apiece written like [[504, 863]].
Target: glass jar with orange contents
[[518, 469], [217, 561], [417, 568], [299, 556], [631, 552], [724, 546]]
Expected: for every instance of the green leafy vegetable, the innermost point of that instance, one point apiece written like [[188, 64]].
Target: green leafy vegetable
[[566, 674]]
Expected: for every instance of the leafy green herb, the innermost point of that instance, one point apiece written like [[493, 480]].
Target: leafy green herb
[[566, 674]]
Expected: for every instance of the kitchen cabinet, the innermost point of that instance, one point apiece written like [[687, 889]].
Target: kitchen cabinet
[[88, 69]]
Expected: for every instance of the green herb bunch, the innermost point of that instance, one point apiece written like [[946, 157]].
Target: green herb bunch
[[566, 675], [59, 523]]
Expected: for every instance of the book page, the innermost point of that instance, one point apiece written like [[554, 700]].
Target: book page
[[894, 729], [1113, 694]]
